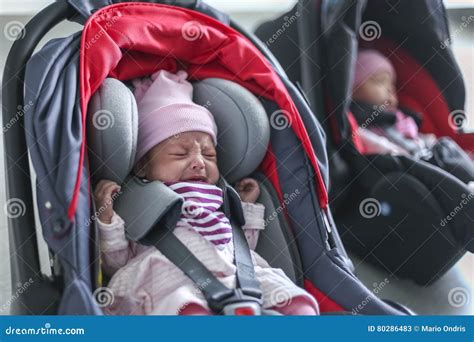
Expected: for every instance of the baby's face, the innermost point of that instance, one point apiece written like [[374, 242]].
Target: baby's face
[[189, 156], [379, 89]]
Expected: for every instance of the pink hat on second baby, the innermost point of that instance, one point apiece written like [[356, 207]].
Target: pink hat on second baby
[[369, 62], [166, 108]]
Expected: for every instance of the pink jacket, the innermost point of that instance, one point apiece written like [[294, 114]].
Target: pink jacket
[[145, 282]]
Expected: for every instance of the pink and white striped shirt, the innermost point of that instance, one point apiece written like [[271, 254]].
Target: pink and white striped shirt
[[200, 210]]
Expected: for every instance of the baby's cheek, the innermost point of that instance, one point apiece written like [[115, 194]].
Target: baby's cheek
[[376, 96], [213, 172], [168, 172]]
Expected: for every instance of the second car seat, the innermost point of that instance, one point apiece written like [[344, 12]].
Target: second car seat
[[406, 216]]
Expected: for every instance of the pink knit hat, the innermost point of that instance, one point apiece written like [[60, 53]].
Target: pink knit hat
[[368, 63], [165, 108]]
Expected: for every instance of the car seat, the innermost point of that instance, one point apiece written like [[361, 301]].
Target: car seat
[[393, 211]]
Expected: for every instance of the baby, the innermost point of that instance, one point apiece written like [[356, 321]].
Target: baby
[[176, 145], [375, 105], [385, 129]]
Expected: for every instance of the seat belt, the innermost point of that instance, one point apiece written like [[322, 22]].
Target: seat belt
[[245, 299]]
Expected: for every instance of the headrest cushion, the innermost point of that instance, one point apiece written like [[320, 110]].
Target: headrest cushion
[[112, 128]]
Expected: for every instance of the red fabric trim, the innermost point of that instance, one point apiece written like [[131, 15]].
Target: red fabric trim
[[354, 127], [326, 304], [129, 40], [418, 91], [269, 168]]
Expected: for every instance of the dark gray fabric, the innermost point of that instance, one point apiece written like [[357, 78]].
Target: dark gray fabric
[[142, 204], [340, 246], [53, 131], [315, 131], [297, 181]]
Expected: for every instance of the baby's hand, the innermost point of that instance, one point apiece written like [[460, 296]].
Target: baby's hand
[[248, 190], [103, 195]]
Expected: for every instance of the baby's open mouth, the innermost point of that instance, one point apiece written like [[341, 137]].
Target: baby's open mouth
[[197, 179]]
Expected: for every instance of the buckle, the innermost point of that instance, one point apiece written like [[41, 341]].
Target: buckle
[[242, 309], [237, 302]]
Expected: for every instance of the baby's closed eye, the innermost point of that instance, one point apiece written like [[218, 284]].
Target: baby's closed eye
[[178, 151], [179, 154]]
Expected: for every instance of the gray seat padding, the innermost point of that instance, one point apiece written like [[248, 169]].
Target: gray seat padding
[[112, 131], [243, 136]]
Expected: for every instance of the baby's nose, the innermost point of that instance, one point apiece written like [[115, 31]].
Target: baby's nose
[[197, 162]]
